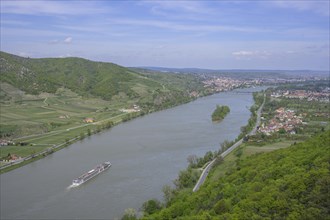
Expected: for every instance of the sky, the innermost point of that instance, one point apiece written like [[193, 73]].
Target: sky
[[264, 34]]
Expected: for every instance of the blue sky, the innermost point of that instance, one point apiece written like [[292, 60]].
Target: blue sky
[[205, 34]]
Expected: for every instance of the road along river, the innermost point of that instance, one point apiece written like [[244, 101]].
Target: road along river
[[146, 153]]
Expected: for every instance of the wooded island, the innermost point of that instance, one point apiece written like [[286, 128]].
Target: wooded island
[[220, 113]]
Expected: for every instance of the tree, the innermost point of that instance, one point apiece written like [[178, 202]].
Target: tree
[[168, 194], [220, 113], [129, 214], [282, 131], [225, 145], [192, 160], [82, 135], [151, 206]]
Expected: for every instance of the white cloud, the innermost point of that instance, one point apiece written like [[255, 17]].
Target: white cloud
[[290, 52], [251, 54], [175, 26], [68, 40], [162, 7], [243, 53], [51, 7], [319, 7]]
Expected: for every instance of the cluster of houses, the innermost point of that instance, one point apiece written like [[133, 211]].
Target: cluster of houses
[[219, 84], [223, 84], [284, 119], [323, 96], [89, 120], [11, 158], [4, 142], [135, 108]]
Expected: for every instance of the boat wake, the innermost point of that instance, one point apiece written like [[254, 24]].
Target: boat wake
[[71, 186]]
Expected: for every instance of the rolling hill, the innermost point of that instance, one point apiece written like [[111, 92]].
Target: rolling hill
[[82, 76]]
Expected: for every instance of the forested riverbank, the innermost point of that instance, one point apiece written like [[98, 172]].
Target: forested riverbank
[[288, 183]]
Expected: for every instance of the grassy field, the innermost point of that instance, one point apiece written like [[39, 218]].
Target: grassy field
[[251, 149]]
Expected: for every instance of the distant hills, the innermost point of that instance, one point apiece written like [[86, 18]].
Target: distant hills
[[245, 73]]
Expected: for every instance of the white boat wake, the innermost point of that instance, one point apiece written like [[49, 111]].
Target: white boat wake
[[71, 186]]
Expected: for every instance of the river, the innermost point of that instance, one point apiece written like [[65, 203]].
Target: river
[[146, 153]]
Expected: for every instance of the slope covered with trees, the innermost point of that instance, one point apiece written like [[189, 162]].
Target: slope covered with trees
[[291, 183]]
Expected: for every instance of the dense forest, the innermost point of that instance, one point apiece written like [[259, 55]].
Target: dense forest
[[220, 113], [291, 183]]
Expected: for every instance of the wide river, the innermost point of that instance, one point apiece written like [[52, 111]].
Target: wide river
[[146, 153]]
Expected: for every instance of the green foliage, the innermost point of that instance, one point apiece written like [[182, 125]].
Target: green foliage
[[195, 162], [187, 178], [151, 206], [291, 183], [220, 113], [82, 136], [169, 194], [129, 214]]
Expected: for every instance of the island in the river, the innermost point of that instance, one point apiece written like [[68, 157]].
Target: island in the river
[[220, 113]]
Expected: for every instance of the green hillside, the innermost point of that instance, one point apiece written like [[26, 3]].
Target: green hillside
[[87, 78], [291, 183], [81, 76]]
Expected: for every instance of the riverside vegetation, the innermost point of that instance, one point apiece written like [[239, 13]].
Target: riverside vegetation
[[289, 183], [220, 113], [280, 176]]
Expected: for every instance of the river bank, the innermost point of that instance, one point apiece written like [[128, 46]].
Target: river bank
[[78, 133], [146, 153], [229, 150], [74, 134]]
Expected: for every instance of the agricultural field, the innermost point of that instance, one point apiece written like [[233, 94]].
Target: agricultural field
[[46, 120]]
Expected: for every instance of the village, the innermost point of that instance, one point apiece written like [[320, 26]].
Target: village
[[322, 96], [285, 120], [135, 108], [220, 84]]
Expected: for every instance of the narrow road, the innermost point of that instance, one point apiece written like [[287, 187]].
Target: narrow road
[[229, 150]]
